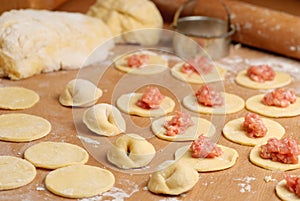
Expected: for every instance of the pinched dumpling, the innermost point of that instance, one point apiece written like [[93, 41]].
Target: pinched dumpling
[[80, 93], [104, 119]]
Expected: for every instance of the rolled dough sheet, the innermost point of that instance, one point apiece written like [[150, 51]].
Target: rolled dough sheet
[[283, 193]]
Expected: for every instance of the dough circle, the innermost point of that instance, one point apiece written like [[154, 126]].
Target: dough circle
[[15, 98], [19, 127], [268, 163], [79, 181], [15, 172], [233, 132], [224, 161], [104, 119], [216, 75], [281, 79], [201, 126], [255, 104], [283, 193], [127, 104], [53, 155], [233, 104], [131, 151]]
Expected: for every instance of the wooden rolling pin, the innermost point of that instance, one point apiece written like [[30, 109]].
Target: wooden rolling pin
[[260, 27]]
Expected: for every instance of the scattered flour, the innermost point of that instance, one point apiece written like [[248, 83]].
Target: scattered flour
[[244, 183], [89, 140], [269, 178]]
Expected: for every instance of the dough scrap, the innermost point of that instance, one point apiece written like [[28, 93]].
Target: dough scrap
[[226, 160], [131, 151], [233, 132], [15, 172], [268, 163], [255, 104], [80, 93], [174, 179], [233, 104], [283, 193], [217, 74], [19, 127], [104, 119], [281, 79], [127, 104], [79, 181], [201, 126], [15, 98], [53, 155]]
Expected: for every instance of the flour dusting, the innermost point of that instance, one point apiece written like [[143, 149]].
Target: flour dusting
[[89, 140], [245, 183]]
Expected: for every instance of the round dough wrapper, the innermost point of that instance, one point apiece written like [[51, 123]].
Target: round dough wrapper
[[201, 126], [127, 104], [53, 155], [283, 193], [19, 127], [233, 104], [131, 151], [226, 160], [79, 181], [173, 180], [281, 79], [269, 164], [80, 93], [156, 64], [256, 105], [217, 74], [15, 98], [104, 119], [233, 132], [15, 172]]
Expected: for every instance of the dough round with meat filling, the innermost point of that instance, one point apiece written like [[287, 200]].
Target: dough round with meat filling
[[131, 151], [104, 119], [283, 192]]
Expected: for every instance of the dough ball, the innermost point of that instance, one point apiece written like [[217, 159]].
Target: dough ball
[[126, 16], [104, 119], [131, 151], [80, 93]]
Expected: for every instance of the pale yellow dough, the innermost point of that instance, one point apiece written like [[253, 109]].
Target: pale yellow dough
[[281, 79], [104, 119], [233, 132], [256, 105], [201, 126], [53, 155], [15, 172], [226, 160], [173, 179], [80, 93], [156, 64], [19, 127], [268, 163], [233, 104], [15, 98], [283, 193], [217, 74], [127, 104], [131, 151], [79, 181]]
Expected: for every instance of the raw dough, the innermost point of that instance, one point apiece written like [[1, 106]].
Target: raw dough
[[15, 98], [127, 103], [283, 193], [80, 93], [156, 64], [174, 179], [53, 155], [201, 126], [281, 79], [255, 104], [268, 163], [226, 160], [19, 127], [79, 181], [233, 132], [233, 103], [217, 74], [104, 119], [15, 172], [131, 151]]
